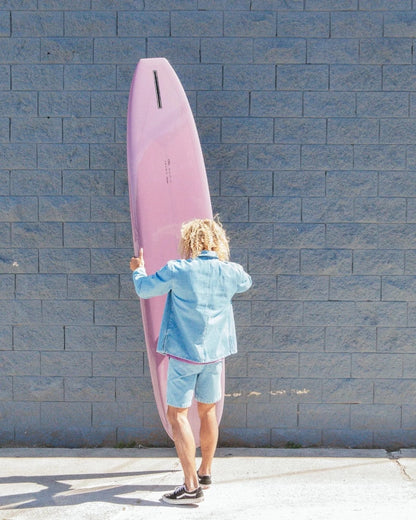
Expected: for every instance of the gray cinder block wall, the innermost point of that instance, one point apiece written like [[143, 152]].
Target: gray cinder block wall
[[307, 115]]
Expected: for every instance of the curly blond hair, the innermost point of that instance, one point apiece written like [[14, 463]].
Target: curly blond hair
[[204, 235]]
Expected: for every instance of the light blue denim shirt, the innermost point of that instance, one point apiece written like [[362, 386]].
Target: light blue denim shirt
[[198, 321]]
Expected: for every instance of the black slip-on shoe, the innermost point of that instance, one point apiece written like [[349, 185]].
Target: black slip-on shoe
[[204, 480], [182, 496]]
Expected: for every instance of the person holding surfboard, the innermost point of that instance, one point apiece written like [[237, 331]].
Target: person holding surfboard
[[197, 333]]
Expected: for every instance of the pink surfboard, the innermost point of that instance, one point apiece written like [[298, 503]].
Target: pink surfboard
[[167, 186]]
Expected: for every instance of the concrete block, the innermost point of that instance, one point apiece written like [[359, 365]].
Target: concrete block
[[378, 262], [326, 415], [398, 288], [298, 339], [176, 50], [331, 313], [326, 261], [247, 130], [17, 209], [143, 24], [380, 210], [115, 312], [410, 262], [357, 25], [68, 156], [92, 286], [4, 24], [209, 130], [375, 416], [88, 182], [123, 235], [400, 24], [295, 390], [272, 364], [385, 51], [109, 104], [299, 183], [355, 77], [396, 340], [329, 365], [254, 338], [108, 156], [95, 389], [64, 104], [302, 77], [276, 4], [247, 390], [35, 182], [276, 104], [376, 366], [382, 313], [352, 236], [5, 77], [6, 389], [347, 391], [7, 286], [18, 156], [231, 209], [87, 130], [331, 51], [225, 156], [110, 209], [409, 364], [331, 5], [20, 50], [67, 50], [276, 313], [38, 388], [41, 286], [200, 76], [164, 5], [20, 415], [38, 337], [90, 338], [399, 77], [115, 364], [65, 416], [64, 208], [98, 23], [224, 5], [385, 5], [305, 24], [397, 236], [329, 104], [397, 131], [18, 260], [382, 104], [278, 50], [37, 77], [365, 288], [213, 104], [249, 77], [37, 23], [110, 261], [352, 131], [5, 183], [68, 312], [331, 157], [340, 438], [327, 210], [250, 24], [274, 261], [35, 235], [350, 339], [353, 183], [299, 236], [134, 388], [119, 50], [6, 338], [66, 364], [299, 130], [88, 234], [298, 287], [19, 363], [196, 23], [64, 260], [284, 437], [275, 209], [90, 77], [283, 415], [273, 156]]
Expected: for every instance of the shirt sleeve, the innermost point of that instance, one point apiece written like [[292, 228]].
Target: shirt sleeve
[[244, 281], [154, 285]]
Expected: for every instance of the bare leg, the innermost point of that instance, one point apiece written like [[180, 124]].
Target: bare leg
[[184, 444], [208, 436]]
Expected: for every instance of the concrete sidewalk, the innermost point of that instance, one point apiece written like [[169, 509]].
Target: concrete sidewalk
[[123, 484]]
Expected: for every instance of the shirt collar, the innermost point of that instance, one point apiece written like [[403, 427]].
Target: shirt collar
[[207, 254]]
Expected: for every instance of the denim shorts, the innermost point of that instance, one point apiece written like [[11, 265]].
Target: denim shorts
[[186, 379]]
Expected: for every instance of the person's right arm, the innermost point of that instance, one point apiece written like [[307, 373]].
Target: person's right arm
[[148, 286]]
